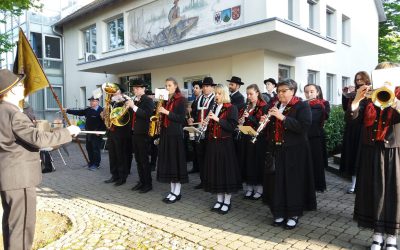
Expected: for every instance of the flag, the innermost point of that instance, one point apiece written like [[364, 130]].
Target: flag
[[27, 63]]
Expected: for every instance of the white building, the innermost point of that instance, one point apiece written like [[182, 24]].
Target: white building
[[320, 41]]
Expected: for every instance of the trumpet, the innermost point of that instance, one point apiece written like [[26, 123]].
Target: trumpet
[[382, 97], [262, 126], [204, 125]]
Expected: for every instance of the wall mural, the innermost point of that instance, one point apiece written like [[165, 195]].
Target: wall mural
[[165, 22]]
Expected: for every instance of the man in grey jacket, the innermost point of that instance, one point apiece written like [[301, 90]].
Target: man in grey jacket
[[20, 170]]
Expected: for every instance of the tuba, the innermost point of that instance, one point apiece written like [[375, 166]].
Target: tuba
[[155, 121], [109, 89]]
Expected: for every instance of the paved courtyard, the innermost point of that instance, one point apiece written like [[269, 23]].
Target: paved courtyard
[[109, 217]]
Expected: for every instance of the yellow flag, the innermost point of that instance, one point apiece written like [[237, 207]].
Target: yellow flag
[[27, 63]]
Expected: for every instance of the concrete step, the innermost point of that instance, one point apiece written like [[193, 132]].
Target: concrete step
[[333, 167]]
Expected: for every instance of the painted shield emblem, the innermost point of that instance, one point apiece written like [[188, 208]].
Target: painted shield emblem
[[226, 15], [217, 17], [236, 12]]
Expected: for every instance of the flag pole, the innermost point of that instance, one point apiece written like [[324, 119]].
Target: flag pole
[[55, 96]]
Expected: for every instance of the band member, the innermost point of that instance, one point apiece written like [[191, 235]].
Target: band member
[[293, 190], [251, 155], [237, 98], [352, 131], [20, 170], [199, 113], [270, 85], [221, 174], [171, 165], [94, 122], [119, 144], [142, 107], [377, 202], [316, 135], [192, 113]]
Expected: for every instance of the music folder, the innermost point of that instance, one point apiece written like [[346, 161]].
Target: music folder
[[192, 130], [247, 130]]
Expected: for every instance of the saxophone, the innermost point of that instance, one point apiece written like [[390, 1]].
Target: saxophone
[[155, 122], [109, 89]]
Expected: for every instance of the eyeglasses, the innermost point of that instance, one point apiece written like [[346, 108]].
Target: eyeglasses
[[282, 91], [359, 79]]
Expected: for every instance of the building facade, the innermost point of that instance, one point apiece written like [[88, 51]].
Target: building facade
[[312, 41]]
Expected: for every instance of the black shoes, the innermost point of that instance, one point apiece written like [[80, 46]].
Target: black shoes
[[200, 186], [145, 189], [351, 191], [168, 201], [290, 227], [119, 182], [224, 211], [138, 186], [278, 223], [214, 209], [111, 180]]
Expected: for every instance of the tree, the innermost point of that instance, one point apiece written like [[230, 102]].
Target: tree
[[13, 8], [389, 32]]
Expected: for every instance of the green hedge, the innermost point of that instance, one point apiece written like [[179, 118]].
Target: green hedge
[[334, 129]]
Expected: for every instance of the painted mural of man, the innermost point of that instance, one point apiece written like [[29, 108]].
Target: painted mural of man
[[174, 13]]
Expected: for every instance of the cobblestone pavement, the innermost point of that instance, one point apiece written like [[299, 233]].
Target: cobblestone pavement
[[109, 217]]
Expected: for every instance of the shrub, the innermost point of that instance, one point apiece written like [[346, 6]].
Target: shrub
[[334, 129]]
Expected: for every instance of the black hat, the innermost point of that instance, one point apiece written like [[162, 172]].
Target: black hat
[[137, 83], [148, 92], [208, 81], [8, 79], [271, 80], [92, 98], [194, 83], [236, 80]]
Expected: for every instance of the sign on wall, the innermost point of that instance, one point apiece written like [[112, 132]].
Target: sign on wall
[[166, 22]]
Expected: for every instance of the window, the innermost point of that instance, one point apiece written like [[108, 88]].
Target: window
[[187, 84], [36, 43], [52, 46], [312, 77], [50, 102], [82, 96], [90, 40], [312, 14], [330, 23], [345, 81], [345, 30], [330, 86], [115, 30], [283, 72]]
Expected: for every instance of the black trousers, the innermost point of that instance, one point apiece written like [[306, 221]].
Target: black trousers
[[93, 147], [19, 218], [140, 146], [200, 150], [194, 159], [120, 154], [153, 152]]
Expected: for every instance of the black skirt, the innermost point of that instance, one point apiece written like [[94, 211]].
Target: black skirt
[[377, 204], [171, 164], [293, 190], [251, 159], [319, 162], [350, 147], [221, 169]]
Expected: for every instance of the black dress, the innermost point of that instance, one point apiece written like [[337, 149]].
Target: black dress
[[293, 181], [377, 203], [350, 142], [317, 143], [251, 155], [221, 170], [171, 164]]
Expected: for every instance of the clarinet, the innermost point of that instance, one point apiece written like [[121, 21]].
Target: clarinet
[[262, 126], [204, 125], [238, 134]]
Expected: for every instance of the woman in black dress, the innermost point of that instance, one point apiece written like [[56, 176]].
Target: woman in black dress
[[293, 189], [316, 135], [377, 203], [251, 155], [171, 165], [221, 169], [352, 129]]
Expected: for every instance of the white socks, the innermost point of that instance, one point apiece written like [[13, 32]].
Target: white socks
[[279, 220], [220, 199], [172, 190], [378, 237], [249, 191], [291, 222], [392, 240], [259, 191], [353, 182], [227, 200], [176, 190]]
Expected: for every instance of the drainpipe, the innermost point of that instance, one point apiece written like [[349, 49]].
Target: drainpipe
[[63, 61]]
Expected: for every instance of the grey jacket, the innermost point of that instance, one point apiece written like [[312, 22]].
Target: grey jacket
[[20, 142]]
